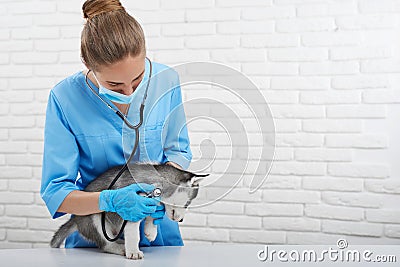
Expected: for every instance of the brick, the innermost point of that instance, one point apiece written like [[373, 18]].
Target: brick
[[16, 198], [333, 212], [15, 71], [263, 237], [291, 224], [365, 22], [245, 27], [239, 55], [32, 8], [305, 25], [340, 38], [384, 96], [234, 3], [322, 154], [74, 31], [206, 234], [272, 209], [380, 65], [10, 21], [26, 134], [212, 42], [57, 45], [287, 125], [15, 172], [330, 97], [345, 53], [383, 216], [16, 97], [278, 182], [233, 221], [15, 245], [44, 224], [329, 68], [392, 231], [221, 207], [356, 140], [5, 34], [13, 147], [179, 29], [4, 59], [331, 125], [270, 40], [26, 211], [25, 185], [297, 111], [9, 222], [276, 97], [165, 43], [28, 109], [271, 68], [192, 219], [31, 83], [237, 194], [352, 228], [24, 160], [365, 200], [22, 122], [28, 235], [35, 147], [311, 238], [297, 54], [60, 19], [389, 186], [298, 168], [359, 111], [216, 14], [299, 140], [332, 184], [270, 12], [383, 6], [300, 83], [365, 170], [290, 196], [378, 37], [176, 4], [359, 82], [327, 9]]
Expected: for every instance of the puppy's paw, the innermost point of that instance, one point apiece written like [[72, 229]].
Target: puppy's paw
[[134, 255], [151, 233]]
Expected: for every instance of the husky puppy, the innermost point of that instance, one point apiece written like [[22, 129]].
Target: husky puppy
[[178, 187]]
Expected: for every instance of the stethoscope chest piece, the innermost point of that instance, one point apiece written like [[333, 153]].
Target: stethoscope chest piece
[[155, 193]]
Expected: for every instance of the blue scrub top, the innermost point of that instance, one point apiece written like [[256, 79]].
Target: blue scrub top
[[83, 138]]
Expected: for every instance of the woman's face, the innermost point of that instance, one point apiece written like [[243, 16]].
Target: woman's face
[[123, 76]]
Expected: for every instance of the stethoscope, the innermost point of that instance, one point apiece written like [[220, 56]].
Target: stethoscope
[[157, 191]]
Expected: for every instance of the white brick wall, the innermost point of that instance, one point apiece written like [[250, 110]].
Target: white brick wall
[[329, 70]]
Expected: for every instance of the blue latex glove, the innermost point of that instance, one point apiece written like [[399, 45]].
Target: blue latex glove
[[158, 214], [128, 203]]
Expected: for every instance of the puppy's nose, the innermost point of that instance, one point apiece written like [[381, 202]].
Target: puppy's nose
[[181, 220]]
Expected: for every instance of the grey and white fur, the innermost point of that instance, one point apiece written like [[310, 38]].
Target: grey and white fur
[[179, 188]]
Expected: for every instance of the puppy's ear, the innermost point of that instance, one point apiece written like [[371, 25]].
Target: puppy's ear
[[197, 178], [194, 179]]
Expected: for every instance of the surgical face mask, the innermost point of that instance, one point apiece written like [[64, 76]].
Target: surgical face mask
[[114, 96]]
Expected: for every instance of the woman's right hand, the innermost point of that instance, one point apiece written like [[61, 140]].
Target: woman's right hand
[[128, 203]]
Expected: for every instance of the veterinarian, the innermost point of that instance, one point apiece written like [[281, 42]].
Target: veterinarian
[[84, 136]]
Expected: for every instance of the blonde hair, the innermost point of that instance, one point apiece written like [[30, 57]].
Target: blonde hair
[[110, 34]]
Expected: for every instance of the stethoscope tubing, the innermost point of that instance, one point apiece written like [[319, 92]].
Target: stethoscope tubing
[[125, 167]]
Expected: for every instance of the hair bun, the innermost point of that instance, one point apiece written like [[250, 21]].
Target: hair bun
[[92, 8]]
